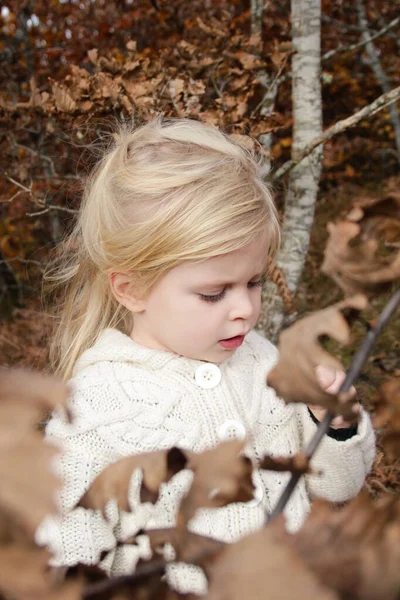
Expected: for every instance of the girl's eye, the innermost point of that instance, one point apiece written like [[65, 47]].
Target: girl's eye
[[259, 283], [214, 298]]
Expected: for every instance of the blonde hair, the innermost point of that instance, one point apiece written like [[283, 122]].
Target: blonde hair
[[170, 191]]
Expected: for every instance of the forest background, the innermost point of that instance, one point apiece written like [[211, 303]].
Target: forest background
[[69, 69]]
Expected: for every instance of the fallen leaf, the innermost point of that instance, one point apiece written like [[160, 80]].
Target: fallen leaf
[[221, 475], [263, 565], [355, 550], [24, 572], [362, 254], [113, 482], [188, 547], [62, 98], [301, 352], [299, 463], [22, 497]]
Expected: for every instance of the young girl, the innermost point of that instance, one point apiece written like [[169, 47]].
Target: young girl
[[162, 292]]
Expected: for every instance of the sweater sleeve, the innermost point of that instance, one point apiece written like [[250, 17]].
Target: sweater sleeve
[[343, 465]]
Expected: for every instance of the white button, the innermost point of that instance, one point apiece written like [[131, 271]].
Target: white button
[[232, 430], [207, 376], [258, 495]]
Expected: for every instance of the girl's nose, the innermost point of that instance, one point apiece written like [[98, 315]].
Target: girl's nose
[[242, 306]]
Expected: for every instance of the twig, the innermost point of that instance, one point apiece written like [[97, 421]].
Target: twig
[[382, 102], [39, 202], [273, 84], [24, 261], [344, 49], [351, 376], [156, 567]]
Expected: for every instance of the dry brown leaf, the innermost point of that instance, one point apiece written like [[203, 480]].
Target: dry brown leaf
[[113, 482], [388, 413], [294, 377], [352, 256], [93, 55], [24, 571], [28, 487], [261, 566], [62, 98], [221, 475], [26, 398], [299, 463], [355, 550], [66, 591], [189, 547]]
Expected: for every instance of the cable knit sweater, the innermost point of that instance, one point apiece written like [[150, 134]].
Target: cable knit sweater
[[127, 399]]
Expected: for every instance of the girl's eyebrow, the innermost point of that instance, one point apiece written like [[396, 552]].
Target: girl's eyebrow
[[221, 283]]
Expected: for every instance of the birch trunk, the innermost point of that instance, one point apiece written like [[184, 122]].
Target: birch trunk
[[257, 9], [378, 71], [304, 178]]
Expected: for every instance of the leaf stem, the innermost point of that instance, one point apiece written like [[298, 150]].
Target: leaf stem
[[351, 376]]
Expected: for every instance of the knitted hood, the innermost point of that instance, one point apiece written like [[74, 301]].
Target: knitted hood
[[115, 346]]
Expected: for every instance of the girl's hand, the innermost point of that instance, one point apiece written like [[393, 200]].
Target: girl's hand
[[330, 381]]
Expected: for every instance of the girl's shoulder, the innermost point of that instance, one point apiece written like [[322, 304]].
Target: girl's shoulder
[[263, 352]]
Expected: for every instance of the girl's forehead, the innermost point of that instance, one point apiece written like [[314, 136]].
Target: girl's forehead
[[251, 259]]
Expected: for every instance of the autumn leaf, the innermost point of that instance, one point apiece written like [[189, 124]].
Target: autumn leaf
[[25, 459], [299, 463], [301, 352], [62, 98], [263, 565], [362, 254], [17, 559], [388, 413], [113, 482], [21, 468], [355, 550], [188, 547], [27, 397], [221, 475]]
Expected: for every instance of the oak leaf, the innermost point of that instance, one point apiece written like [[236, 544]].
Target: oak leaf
[[188, 547], [355, 550], [28, 486], [388, 413], [221, 475], [294, 377], [263, 565], [362, 254], [113, 483], [62, 98], [299, 463]]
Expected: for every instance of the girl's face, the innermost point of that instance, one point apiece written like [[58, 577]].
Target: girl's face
[[196, 307]]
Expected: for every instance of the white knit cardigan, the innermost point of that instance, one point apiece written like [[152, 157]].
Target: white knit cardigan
[[127, 399]]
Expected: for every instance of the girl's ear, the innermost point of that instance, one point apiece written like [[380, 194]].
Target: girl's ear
[[123, 291]]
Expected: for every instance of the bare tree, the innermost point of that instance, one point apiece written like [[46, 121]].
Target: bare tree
[[378, 70], [304, 177]]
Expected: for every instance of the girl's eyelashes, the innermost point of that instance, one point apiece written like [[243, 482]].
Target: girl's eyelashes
[[216, 297]]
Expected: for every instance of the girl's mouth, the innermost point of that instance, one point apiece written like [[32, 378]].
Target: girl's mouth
[[233, 342]]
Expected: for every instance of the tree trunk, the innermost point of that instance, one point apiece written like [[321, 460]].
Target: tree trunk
[[304, 178], [379, 72], [257, 9]]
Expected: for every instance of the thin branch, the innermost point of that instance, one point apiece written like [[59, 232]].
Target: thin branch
[[145, 570], [25, 261], [272, 87], [382, 102], [12, 197], [351, 376], [344, 49], [46, 207], [49, 207]]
